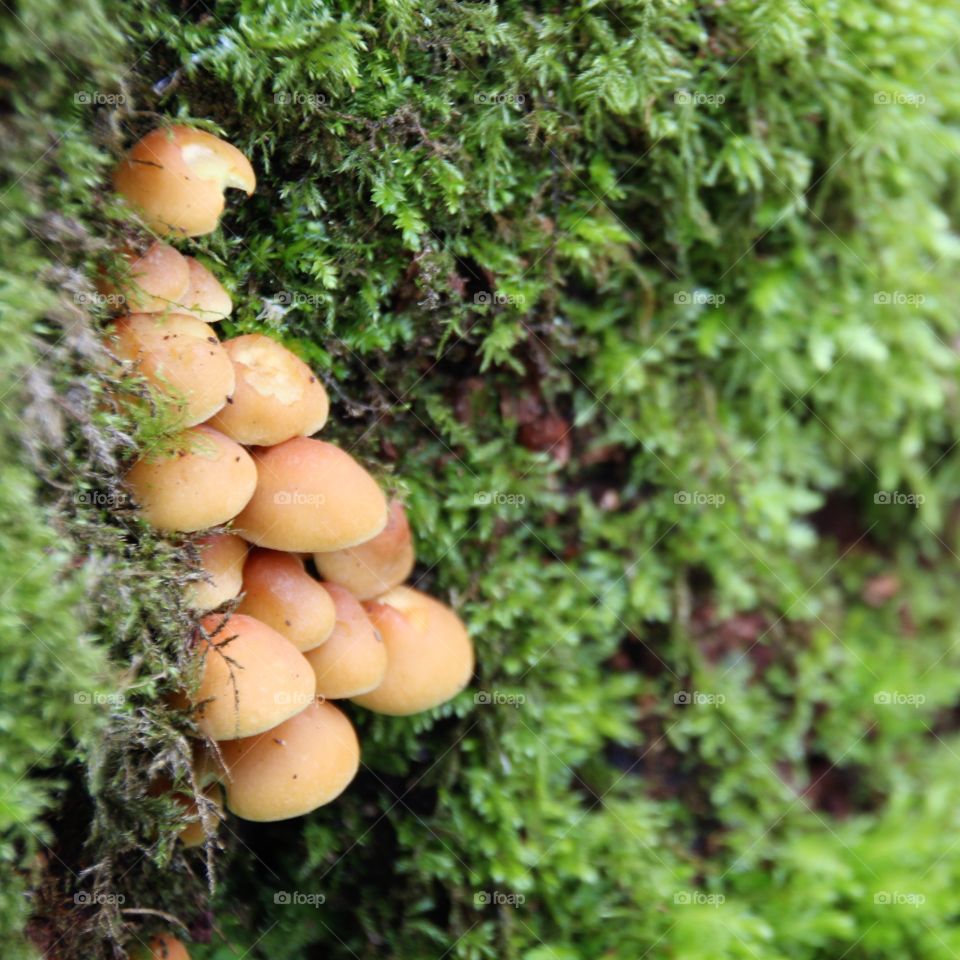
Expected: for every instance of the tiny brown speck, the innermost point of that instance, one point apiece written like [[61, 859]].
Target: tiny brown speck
[[211, 339], [236, 459], [313, 379], [295, 776]]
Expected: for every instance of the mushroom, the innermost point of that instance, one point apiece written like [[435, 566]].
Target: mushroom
[[311, 496], [176, 177], [221, 559], [252, 679], [279, 592], [155, 279], [181, 357], [298, 766], [163, 947], [354, 660], [194, 834], [206, 482], [277, 395], [429, 653], [204, 297], [376, 566]]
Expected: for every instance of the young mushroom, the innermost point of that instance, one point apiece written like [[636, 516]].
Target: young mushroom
[[376, 566], [204, 483], [300, 765], [221, 558], [311, 496], [279, 592], [155, 280], [354, 660], [204, 297], [277, 395], [180, 357], [163, 947], [252, 678], [194, 834], [176, 178], [429, 653]]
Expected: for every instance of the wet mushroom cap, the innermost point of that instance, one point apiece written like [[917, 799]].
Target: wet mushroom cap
[[354, 660], [204, 296], [176, 177], [221, 558], [300, 765], [252, 678], [155, 281], [277, 395], [376, 566], [278, 591], [311, 496], [163, 947], [180, 357], [206, 482], [429, 653]]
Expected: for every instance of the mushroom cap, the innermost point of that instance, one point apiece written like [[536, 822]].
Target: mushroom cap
[[221, 559], [429, 653], [277, 395], [164, 947], [298, 766], [204, 296], [253, 678], [180, 357], [194, 833], [279, 592], [156, 280], [176, 177], [205, 484], [354, 660], [376, 566], [311, 496]]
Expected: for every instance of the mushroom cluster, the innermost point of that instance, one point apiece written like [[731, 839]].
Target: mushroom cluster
[[302, 602]]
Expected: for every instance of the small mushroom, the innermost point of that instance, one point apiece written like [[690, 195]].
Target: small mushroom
[[252, 680], [278, 591], [194, 834], [176, 177], [180, 357], [206, 482], [221, 559], [157, 279], [429, 653], [354, 660], [163, 947], [311, 496], [300, 765], [277, 395], [204, 297], [376, 566]]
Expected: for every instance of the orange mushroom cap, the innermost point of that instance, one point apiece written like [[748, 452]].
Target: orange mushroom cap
[[221, 558], [204, 296]]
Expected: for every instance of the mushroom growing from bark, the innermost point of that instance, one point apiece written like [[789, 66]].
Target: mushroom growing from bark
[[180, 357], [205, 482], [311, 496], [279, 592], [376, 566], [176, 178], [354, 660], [277, 395], [221, 558], [429, 653], [288, 771], [252, 678]]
